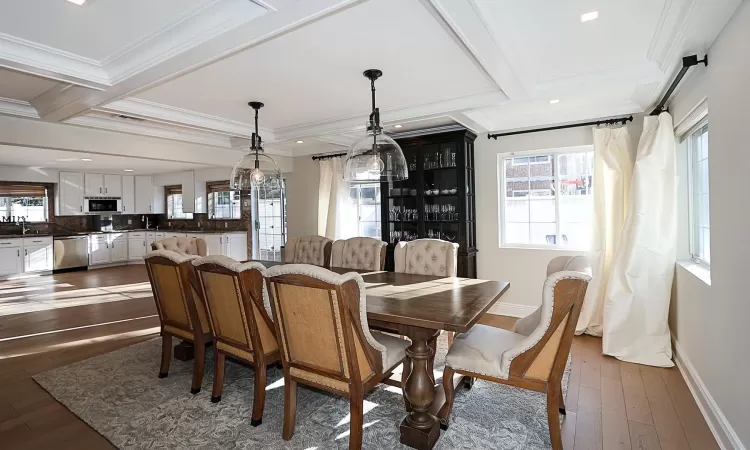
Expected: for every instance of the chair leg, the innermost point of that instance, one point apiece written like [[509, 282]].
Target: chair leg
[[445, 412], [562, 400], [199, 365], [553, 418], [356, 411], [290, 408], [219, 363], [166, 354], [259, 395]]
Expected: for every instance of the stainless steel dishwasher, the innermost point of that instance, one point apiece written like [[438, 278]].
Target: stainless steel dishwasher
[[71, 252]]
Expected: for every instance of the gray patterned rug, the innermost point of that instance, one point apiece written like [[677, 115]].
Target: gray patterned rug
[[121, 397]]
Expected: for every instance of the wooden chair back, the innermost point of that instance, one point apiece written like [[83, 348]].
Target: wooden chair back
[[546, 359], [180, 310], [234, 298], [319, 325]]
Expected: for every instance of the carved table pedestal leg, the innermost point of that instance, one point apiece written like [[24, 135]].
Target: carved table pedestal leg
[[420, 429]]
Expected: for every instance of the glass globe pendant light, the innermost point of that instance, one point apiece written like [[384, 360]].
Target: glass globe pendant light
[[255, 169], [377, 157]]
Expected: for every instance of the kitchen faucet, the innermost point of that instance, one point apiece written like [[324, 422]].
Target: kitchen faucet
[[22, 223], [145, 218]]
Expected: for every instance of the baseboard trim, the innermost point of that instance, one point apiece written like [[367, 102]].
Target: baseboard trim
[[717, 422], [512, 309]]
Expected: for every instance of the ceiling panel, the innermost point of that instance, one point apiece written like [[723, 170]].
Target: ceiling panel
[[314, 73], [96, 30], [21, 86]]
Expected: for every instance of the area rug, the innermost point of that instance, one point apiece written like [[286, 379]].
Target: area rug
[[120, 396]]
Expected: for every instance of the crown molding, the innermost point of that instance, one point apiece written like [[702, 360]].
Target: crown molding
[[19, 108], [145, 109]]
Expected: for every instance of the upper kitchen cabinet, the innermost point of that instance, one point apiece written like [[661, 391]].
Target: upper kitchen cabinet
[[98, 185], [112, 186], [128, 194], [144, 195], [71, 194]]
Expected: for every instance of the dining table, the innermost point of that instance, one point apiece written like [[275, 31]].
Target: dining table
[[420, 307]]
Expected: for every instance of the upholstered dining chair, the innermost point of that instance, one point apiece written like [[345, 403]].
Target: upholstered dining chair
[[362, 253], [240, 315], [182, 245], [181, 312], [314, 250], [535, 361], [321, 323]]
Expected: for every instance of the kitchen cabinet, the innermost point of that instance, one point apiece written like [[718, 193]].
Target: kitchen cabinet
[[236, 246], [214, 244], [136, 246], [151, 237], [118, 247], [71, 189], [11, 260], [98, 249], [128, 194], [112, 186], [38, 255], [144, 195], [174, 235], [94, 185]]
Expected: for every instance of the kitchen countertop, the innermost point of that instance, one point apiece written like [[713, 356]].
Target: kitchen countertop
[[86, 233]]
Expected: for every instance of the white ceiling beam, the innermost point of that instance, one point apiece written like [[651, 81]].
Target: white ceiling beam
[[11, 107]]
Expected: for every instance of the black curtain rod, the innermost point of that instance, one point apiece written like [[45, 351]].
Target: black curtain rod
[[687, 63], [334, 155], [622, 120]]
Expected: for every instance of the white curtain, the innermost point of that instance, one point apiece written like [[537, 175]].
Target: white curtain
[[613, 169], [337, 214], [636, 304]]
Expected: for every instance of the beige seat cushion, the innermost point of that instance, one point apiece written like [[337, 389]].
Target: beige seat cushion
[[395, 348], [481, 351]]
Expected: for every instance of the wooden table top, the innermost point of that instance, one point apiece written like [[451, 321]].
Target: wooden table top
[[440, 303]]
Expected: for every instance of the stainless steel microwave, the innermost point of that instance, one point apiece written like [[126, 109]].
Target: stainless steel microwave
[[102, 205]]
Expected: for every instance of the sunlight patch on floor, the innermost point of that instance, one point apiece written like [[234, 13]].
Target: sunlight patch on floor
[[367, 407], [346, 433]]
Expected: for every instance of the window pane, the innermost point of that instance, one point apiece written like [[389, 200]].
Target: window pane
[[542, 233], [699, 183], [576, 199]]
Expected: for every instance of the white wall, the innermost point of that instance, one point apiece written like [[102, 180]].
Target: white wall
[[709, 322], [31, 174], [302, 197]]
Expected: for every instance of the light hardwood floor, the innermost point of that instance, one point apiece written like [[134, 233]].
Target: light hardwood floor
[[51, 321]]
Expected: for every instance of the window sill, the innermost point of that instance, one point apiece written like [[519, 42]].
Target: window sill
[[224, 220], [700, 271], [542, 247]]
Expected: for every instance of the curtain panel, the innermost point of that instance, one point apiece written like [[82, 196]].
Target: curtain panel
[[337, 215]]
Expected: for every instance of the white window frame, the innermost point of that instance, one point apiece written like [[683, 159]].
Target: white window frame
[[358, 205], [188, 216], [7, 210], [502, 194], [692, 219], [211, 203]]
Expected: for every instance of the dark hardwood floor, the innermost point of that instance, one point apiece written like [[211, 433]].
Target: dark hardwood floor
[[52, 321]]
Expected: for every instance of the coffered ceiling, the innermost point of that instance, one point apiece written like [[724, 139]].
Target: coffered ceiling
[[184, 70]]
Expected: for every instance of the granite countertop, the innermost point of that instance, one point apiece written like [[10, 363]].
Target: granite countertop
[[86, 233]]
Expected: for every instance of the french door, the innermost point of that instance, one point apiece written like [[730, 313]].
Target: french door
[[269, 211]]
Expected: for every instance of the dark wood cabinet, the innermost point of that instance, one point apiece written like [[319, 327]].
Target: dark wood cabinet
[[437, 201]]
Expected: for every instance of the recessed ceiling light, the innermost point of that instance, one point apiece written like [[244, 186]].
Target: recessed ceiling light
[[554, 101], [589, 16], [300, 142], [86, 159], [128, 170], [398, 126], [78, 2]]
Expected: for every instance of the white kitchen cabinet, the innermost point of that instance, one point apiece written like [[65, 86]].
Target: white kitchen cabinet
[[214, 244], [174, 235], [112, 186], [71, 194], [118, 247], [98, 249], [137, 245], [144, 195], [128, 194], [236, 246], [38, 254], [11, 259], [94, 185], [153, 236]]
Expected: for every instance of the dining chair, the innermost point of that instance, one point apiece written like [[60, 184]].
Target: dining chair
[[180, 310], [314, 250], [182, 245], [362, 253], [427, 257], [321, 323], [535, 361], [240, 315]]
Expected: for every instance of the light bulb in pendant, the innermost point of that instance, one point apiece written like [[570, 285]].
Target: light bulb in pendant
[[375, 166], [257, 176]]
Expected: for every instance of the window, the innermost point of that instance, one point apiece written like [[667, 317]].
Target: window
[[223, 203], [269, 207], [700, 228], [24, 201], [174, 203], [366, 198], [547, 200]]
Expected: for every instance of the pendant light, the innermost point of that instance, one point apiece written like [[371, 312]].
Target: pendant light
[[377, 157], [255, 169]]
